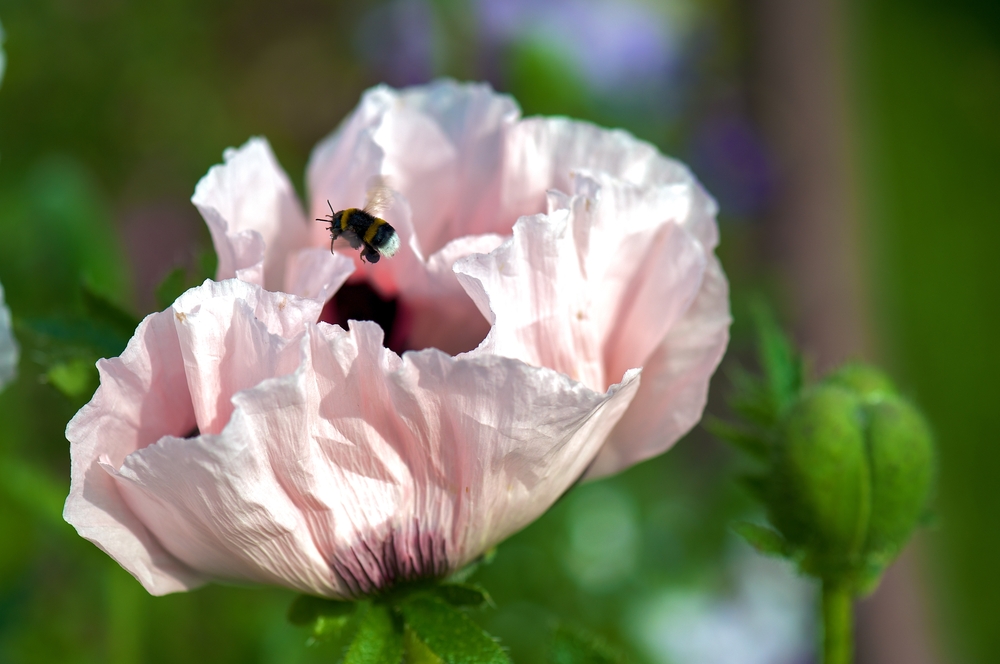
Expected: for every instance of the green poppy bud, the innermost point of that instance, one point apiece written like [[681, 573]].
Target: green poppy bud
[[851, 474], [820, 489], [902, 468]]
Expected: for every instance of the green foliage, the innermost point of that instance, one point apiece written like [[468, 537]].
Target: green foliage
[[181, 279], [328, 618], [462, 595], [76, 378], [379, 639], [66, 346], [31, 487], [449, 633], [576, 646], [781, 364], [760, 400], [750, 440], [765, 540], [425, 620], [417, 651], [172, 286], [848, 463]]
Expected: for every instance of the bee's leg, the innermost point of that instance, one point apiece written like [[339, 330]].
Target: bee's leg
[[334, 234], [370, 254]]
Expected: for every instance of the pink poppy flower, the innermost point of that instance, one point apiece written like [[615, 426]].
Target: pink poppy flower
[[238, 439], [613, 265]]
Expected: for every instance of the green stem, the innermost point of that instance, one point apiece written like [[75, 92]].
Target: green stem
[[838, 624]]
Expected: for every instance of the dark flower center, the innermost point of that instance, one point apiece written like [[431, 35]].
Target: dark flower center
[[377, 563], [359, 301]]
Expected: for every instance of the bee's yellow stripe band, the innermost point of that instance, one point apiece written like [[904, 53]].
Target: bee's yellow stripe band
[[370, 233], [343, 219]]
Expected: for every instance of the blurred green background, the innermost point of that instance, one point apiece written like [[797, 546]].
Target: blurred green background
[[111, 110]]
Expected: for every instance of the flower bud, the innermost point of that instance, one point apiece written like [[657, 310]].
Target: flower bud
[[851, 474], [820, 495]]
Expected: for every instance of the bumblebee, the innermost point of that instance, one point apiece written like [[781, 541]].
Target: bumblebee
[[362, 227]]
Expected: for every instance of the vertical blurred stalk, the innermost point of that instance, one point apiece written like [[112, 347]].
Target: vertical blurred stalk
[[838, 627], [800, 79], [124, 606]]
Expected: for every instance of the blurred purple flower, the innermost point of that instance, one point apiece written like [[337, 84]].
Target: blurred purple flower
[[616, 45], [397, 40], [731, 159]]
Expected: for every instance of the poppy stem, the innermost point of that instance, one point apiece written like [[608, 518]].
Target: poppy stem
[[838, 623]]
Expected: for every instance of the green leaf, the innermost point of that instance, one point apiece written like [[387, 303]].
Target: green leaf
[[181, 278], [765, 540], [55, 340], [751, 399], [101, 309], [463, 574], [379, 639], [449, 633], [77, 378], [33, 489], [207, 263], [417, 651], [306, 609], [756, 486], [172, 286], [753, 443], [929, 519], [781, 364], [462, 594], [574, 646]]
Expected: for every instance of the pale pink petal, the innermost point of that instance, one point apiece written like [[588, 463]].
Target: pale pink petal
[[546, 153], [219, 502], [146, 395], [591, 288], [316, 273], [253, 214], [143, 396], [441, 146], [363, 468], [233, 335], [439, 312], [643, 266], [675, 380]]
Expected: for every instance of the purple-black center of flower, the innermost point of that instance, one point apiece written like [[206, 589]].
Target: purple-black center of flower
[[359, 301], [377, 564]]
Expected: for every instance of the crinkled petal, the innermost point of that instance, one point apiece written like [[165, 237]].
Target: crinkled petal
[[675, 380], [591, 288], [9, 352], [364, 468], [441, 146], [143, 396], [233, 335], [253, 215], [316, 273], [436, 309], [546, 153], [148, 394]]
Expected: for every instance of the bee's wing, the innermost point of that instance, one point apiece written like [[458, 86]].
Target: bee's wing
[[379, 198]]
